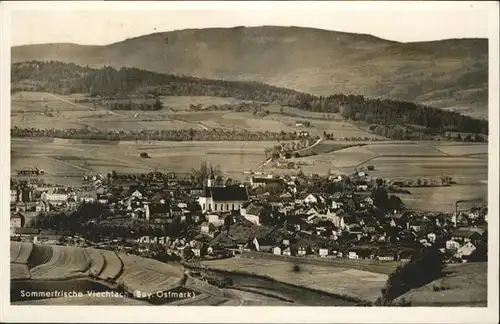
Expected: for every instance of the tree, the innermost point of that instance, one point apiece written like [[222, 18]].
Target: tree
[[395, 202], [188, 254], [381, 198], [416, 273]]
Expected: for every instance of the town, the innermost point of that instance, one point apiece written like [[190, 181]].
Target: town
[[203, 216]]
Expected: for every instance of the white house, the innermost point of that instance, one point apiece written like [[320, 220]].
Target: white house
[[215, 219], [323, 252], [277, 250], [336, 205], [55, 197], [314, 199], [353, 255], [13, 195], [137, 194], [452, 245], [465, 250]]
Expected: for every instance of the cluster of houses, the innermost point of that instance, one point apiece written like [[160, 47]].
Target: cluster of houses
[[275, 215]]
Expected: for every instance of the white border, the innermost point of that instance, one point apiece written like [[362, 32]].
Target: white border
[[254, 314]]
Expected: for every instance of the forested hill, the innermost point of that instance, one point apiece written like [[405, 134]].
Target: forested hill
[[65, 78], [449, 74]]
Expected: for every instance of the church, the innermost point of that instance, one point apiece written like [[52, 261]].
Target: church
[[221, 198]]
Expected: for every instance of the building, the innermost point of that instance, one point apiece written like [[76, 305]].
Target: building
[[55, 197], [223, 199], [465, 251], [254, 213], [17, 220], [14, 195]]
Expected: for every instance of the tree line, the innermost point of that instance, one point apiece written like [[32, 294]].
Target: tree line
[[155, 135], [60, 77]]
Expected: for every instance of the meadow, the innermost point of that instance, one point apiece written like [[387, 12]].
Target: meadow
[[335, 280], [463, 285]]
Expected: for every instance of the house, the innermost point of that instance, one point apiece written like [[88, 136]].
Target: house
[[207, 228], [199, 249], [42, 206], [323, 252], [336, 205], [464, 236], [56, 198], [215, 219], [277, 250], [287, 251], [52, 239], [137, 194], [452, 245], [352, 255], [466, 250], [369, 201], [216, 199], [263, 181], [14, 195], [385, 256], [89, 196], [314, 199], [254, 214], [17, 220], [27, 232]]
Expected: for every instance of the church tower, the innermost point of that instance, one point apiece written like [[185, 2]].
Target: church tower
[[211, 178]]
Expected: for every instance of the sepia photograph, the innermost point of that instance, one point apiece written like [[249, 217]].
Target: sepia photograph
[[334, 154]]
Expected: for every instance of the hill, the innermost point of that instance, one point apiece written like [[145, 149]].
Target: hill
[[463, 285], [132, 88], [450, 74]]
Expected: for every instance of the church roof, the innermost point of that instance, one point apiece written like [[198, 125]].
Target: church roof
[[233, 193]]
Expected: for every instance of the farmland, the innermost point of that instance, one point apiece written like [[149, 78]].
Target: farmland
[[46, 110], [65, 262], [466, 163], [336, 280], [66, 161]]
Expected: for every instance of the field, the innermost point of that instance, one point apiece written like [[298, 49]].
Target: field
[[97, 261], [148, 275], [45, 110], [466, 163], [66, 161], [65, 263], [112, 265], [463, 285], [336, 280]]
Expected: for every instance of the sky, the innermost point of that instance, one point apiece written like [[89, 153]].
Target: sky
[[105, 23]]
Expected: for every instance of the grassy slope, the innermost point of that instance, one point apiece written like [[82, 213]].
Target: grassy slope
[[447, 74], [464, 285]]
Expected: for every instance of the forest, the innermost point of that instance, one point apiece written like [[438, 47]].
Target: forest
[[108, 82], [155, 135]]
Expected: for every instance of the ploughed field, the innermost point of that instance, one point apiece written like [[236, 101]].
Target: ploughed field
[[40, 269]]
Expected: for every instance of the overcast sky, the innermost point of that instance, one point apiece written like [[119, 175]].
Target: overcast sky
[[402, 22]]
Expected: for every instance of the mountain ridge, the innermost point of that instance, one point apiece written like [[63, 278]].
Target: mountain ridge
[[450, 74]]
